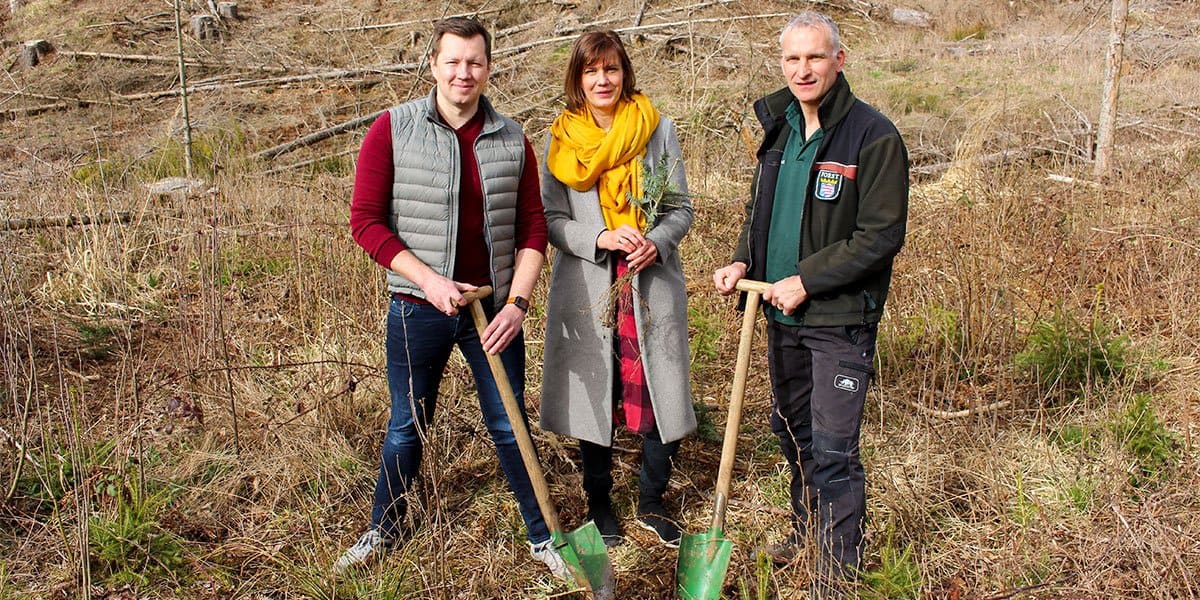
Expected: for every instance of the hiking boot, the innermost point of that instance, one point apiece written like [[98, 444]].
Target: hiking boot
[[367, 549], [545, 552], [601, 514], [654, 518], [785, 551]]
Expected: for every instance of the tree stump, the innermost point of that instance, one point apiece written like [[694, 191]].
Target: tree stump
[[32, 53], [204, 27], [227, 10]]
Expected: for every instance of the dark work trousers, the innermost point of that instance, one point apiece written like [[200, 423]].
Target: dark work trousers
[[819, 376], [652, 482]]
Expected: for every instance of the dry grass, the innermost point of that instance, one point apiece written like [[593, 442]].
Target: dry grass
[[126, 349]]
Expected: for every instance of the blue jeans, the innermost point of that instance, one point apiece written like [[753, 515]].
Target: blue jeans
[[419, 341]]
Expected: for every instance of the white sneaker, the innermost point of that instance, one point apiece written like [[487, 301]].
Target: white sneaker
[[546, 553], [369, 546]]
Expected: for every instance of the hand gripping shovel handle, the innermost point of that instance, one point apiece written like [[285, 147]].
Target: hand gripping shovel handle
[[754, 291], [524, 441]]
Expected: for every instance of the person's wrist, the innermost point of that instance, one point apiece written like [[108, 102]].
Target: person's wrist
[[520, 302]]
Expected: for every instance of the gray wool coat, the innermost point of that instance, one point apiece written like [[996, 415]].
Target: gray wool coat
[[580, 358]]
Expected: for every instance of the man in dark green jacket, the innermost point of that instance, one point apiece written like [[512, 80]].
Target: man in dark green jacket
[[824, 222]]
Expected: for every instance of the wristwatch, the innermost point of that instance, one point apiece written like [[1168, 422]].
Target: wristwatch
[[520, 302]]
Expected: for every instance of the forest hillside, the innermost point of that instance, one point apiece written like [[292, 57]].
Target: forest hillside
[[192, 382]]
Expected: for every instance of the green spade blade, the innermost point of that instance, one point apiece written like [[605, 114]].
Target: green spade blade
[[703, 560], [587, 557]]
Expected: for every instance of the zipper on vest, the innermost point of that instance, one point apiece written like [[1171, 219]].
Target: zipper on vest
[[487, 218], [455, 183]]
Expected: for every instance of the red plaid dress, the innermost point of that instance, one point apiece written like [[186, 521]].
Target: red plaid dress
[[634, 409]]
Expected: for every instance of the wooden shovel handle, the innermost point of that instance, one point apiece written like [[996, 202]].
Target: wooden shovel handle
[[478, 293], [520, 431], [754, 291], [750, 285]]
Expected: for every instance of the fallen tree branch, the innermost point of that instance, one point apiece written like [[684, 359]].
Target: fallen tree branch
[[986, 160], [477, 13], [1073, 181], [29, 111], [566, 38], [657, 13], [339, 74], [958, 414], [317, 136], [66, 221], [145, 58]]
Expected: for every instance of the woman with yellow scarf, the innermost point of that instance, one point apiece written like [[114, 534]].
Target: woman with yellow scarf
[[604, 148]]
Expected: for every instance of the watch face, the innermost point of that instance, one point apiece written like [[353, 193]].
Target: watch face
[[520, 302]]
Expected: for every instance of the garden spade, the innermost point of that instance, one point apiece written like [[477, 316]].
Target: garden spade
[[704, 557], [583, 550]]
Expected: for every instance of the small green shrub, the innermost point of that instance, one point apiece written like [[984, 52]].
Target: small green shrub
[[1065, 354], [131, 547], [1024, 508], [1080, 494], [46, 481], [706, 428], [102, 172], [97, 339], [762, 569], [1077, 437], [1155, 449], [897, 578], [705, 331]]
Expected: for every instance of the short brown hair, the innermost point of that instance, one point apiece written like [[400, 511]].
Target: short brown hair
[[590, 47], [464, 28]]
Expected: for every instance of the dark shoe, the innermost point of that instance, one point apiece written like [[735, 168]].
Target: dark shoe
[[784, 552], [601, 514], [654, 518]]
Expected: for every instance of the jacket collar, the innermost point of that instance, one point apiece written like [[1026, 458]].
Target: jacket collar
[[771, 109]]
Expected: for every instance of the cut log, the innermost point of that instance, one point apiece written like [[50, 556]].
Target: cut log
[[176, 186], [65, 221], [32, 53], [913, 18], [204, 27]]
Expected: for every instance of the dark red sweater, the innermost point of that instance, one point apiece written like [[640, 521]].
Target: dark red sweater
[[372, 198]]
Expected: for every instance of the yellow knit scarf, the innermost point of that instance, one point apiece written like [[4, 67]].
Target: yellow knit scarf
[[583, 155]]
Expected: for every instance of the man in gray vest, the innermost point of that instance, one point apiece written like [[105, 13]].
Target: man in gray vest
[[824, 222], [446, 198]]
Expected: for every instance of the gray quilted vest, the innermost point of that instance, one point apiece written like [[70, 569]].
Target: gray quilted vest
[[426, 163]]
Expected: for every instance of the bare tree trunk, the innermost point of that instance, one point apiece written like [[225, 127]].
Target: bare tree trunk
[[187, 123], [1112, 85]]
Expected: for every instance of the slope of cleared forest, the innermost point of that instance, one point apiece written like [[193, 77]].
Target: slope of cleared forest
[[192, 390]]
